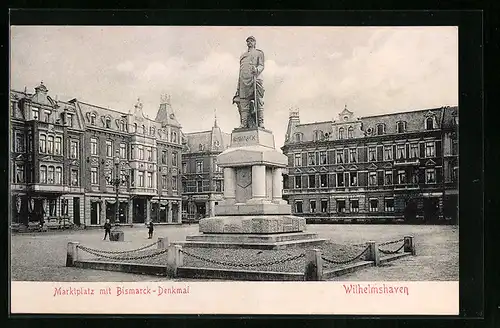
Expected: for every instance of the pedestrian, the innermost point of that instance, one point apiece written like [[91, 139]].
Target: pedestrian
[[150, 229], [107, 229]]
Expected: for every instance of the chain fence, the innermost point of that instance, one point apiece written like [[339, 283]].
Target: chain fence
[[386, 252], [138, 257], [244, 265], [348, 260], [391, 242], [100, 251]]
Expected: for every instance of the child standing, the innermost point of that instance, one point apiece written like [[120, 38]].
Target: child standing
[[150, 229]]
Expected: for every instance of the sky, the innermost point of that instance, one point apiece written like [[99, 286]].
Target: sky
[[319, 70]]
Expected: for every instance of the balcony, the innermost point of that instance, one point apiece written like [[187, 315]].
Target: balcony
[[407, 162]]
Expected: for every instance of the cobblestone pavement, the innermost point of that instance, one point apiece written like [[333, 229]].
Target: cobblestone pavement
[[42, 256]]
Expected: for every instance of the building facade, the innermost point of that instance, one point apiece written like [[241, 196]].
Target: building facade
[[64, 156], [202, 178], [45, 158], [401, 166]]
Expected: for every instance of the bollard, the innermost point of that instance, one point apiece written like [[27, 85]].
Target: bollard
[[314, 265], [409, 245], [175, 259], [373, 254], [72, 253], [162, 242]]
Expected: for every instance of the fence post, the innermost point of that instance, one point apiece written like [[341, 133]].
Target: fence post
[[162, 243], [72, 253], [373, 254], [314, 265], [409, 245], [175, 259]]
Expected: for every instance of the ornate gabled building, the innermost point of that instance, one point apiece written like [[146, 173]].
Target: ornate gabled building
[[401, 166], [202, 179], [147, 152], [46, 165]]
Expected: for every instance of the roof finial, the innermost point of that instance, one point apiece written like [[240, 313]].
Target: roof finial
[[138, 105], [215, 117], [345, 106]]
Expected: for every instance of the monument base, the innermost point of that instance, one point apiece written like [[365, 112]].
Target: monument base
[[252, 224]]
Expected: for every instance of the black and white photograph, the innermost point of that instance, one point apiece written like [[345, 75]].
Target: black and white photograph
[[154, 161]]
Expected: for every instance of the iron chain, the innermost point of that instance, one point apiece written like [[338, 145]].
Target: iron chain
[[245, 265], [119, 252], [391, 252], [346, 261], [91, 251], [391, 242]]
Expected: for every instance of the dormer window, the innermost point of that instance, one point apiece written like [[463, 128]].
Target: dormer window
[[200, 147], [35, 113], [152, 131], [135, 127], [173, 137], [350, 132], [346, 118], [216, 143], [380, 129], [108, 123], [69, 119], [47, 115], [318, 135], [341, 133], [401, 127], [429, 123], [92, 119], [143, 129], [123, 125], [298, 137]]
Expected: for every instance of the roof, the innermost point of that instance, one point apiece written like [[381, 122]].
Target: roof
[[212, 140]]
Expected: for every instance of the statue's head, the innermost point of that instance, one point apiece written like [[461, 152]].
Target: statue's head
[[251, 42]]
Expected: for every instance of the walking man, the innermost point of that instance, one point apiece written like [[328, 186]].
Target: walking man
[[107, 229], [150, 229]]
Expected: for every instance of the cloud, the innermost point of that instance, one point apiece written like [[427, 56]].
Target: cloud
[[126, 66]]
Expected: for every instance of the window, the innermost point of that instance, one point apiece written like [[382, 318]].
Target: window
[[454, 174], [201, 147], [218, 185], [93, 146], [354, 205], [340, 179], [73, 149], [318, 135], [401, 151], [340, 206], [430, 149], [389, 204], [298, 137], [47, 115], [387, 153], [164, 182], [430, 176], [311, 159], [174, 158], [74, 178], [372, 154], [184, 187], [109, 148], [454, 146], [30, 143], [324, 206], [323, 180], [429, 123], [64, 206], [50, 174], [199, 186], [52, 207], [152, 131], [415, 178], [174, 182], [350, 132], [184, 167], [388, 178], [94, 176], [58, 175], [50, 144], [123, 151], [353, 179], [414, 150], [312, 181], [199, 166], [135, 127], [69, 119], [149, 154], [401, 177], [352, 155], [140, 175], [373, 205], [57, 146], [108, 175], [174, 137], [341, 133], [298, 160], [34, 113], [216, 144], [401, 127], [164, 157], [298, 206], [340, 156], [92, 119], [43, 174], [312, 205], [19, 174], [123, 126], [298, 182], [372, 178], [217, 167], [43, 143], [19, 143], [380, 129], [150, 180], [140, 149], [322, 157], [108, 123]]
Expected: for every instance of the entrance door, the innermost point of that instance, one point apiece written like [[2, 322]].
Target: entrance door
[[201, 210], [76, 210], [139, 211], [163, 213], [123, 212], [410, 212], [431, 209], [94, 208]]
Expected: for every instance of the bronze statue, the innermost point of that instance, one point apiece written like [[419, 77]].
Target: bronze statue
[[250, 91]]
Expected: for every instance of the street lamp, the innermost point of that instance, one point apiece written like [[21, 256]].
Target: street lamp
[[117, 181]]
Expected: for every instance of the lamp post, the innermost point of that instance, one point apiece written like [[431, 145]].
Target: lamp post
[[117, 181]]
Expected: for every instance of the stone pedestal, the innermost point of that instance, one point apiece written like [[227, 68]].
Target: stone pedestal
[[253, 206]]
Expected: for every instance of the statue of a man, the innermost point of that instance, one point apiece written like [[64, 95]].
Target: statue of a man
[[250, 91]]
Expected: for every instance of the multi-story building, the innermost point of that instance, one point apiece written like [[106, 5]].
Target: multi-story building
[[46, 158], [202, 178], [147, 153], [401, 166]]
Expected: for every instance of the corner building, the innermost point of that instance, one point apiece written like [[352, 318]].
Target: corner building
[[383, 168]]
